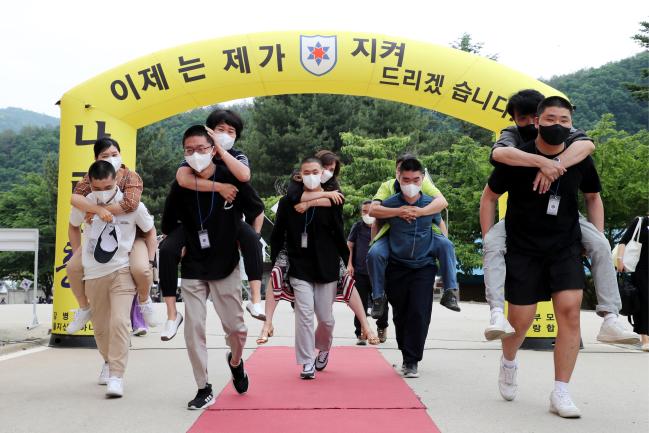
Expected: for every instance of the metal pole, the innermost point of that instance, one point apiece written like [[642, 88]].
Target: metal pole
[[35, 323]]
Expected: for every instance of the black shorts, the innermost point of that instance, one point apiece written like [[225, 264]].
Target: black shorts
[[533, 279]]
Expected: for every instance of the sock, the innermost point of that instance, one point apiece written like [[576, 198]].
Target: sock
[[85, 308], [609, 317], [509, 364], [497, 310], [561, 386]]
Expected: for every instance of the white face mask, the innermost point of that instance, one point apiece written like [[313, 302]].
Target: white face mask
[[224, 140], [311, 181], [199, 161], [368, 220], [410, 190], [103, 197], [116, 161], [326, 175]]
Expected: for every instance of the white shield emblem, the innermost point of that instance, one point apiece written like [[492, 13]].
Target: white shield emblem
[[318, 54]]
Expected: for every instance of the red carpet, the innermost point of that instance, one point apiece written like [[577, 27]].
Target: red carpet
[[358, 391]]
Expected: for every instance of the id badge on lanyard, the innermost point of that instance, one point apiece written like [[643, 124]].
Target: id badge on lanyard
[[304, 241], [204, 239], [203, 235], [553, 205]]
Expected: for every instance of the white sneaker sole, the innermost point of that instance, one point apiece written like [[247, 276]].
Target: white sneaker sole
[[208, 404], [497, 333], [114, 394], [618, 340], [573, 414]]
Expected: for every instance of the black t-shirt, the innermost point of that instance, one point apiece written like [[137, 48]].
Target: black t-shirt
[[510, 137], [360, 235], [182, 207], [320, 261], [644, 240], [530, 230], [247, 201]]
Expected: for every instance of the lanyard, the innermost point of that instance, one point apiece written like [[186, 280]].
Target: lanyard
[[308, 220], [556, 191], [198, 203]]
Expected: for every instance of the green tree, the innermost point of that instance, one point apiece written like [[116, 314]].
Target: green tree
[[622, 161], [287, 128], [31, 203], [465, 43], [641, 91], [460, 172], [597, 91]]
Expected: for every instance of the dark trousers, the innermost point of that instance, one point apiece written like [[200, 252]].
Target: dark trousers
[[410, 292], [253, 259], [364, 288], [168, 259], [171, 246], [641, 320]]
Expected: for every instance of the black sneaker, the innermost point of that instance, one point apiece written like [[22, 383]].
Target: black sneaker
[[378, 307], [239, 375], [308, 371], [203, 399], [410, 370], [321, 360], [449, 299], [361, 342]]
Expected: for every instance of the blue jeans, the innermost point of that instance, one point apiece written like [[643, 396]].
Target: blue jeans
[[377, 261], [379, 254], [444, 250]]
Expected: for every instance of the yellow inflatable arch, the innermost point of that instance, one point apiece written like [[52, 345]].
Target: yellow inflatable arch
[[162, 84]]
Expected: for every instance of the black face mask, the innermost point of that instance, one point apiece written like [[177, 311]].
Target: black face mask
[[554, 134], [527, 133]]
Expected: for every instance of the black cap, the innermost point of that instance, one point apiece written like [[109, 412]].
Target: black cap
[[107, 243]]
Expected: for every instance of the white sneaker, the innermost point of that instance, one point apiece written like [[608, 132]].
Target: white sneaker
[[507, 381], [171, 328], [139, 332], [103, 376], [115, 387], [148, 313], [562, 405], [81, 317], [499, 327], [614, 331], [256, 311]]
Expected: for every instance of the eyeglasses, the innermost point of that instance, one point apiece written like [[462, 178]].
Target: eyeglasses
[[201, 150]]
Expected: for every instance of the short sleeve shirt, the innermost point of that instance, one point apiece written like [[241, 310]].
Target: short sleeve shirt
[[530, 229], [360, 235]]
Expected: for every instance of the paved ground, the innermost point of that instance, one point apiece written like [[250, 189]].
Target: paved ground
[[54, 390]]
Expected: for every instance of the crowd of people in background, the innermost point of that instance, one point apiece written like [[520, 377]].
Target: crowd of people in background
[[387, 261]]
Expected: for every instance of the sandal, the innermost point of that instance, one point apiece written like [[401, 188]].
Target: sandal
[[372, 338], [265, 335]]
